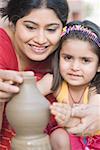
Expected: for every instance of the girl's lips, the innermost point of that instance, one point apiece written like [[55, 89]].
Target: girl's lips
[[74, 76]]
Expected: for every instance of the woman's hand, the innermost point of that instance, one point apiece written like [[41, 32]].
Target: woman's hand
[[90, 119], [62, 113], [9, 83]]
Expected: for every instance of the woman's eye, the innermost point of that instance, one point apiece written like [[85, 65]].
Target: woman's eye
[[30, 27], [51, 30]]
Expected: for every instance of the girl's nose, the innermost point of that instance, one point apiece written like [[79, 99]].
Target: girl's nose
[[75, 66]]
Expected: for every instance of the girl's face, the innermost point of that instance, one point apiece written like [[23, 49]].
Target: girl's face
[[37, 34], [78, 62]]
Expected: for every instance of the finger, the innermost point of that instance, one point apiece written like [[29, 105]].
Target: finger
[[11, 75], [77, 130], [60, 119], [60, 106], [92, 128], [54, 112], [56, 104], [80, 111], [5, 95], [22, 73], [80, 128], [9, 82], [1, 105], [6, 87], [4, 100], [55, 108]]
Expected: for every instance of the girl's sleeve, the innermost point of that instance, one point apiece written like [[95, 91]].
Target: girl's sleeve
[[52, 124]]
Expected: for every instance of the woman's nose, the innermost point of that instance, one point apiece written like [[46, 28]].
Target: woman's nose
[[40, 38]]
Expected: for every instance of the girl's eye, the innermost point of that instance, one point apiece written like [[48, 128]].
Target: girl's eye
[[67, 57], [85, 60]]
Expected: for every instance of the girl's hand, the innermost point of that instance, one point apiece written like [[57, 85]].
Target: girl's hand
[[72, 122], [44, 85], [62, 113]]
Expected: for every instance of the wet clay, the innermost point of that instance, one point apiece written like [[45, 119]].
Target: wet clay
[[28, 114]]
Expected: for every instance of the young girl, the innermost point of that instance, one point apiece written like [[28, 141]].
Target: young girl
[[76, 71]]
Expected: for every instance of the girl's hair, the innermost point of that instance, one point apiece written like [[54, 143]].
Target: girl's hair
[[85, 31], [16, 9]]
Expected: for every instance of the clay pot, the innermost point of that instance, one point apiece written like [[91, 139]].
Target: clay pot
[[28, 114]]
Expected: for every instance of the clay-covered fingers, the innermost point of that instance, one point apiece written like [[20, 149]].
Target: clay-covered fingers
[[90, 119], [62, 113], [60, 118], [59, 108], [93, 127], [83, 110], [80, 128]]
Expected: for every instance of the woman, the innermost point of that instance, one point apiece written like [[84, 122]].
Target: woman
[[32, 34]]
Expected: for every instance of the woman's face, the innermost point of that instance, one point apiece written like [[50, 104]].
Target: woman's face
[[37, 35]]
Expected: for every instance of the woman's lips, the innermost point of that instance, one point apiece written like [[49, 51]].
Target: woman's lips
[[39, 50]]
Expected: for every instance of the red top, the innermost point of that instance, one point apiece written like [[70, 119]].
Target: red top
[[8, 61]]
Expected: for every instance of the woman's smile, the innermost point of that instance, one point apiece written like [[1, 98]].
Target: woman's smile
[[38, 49]]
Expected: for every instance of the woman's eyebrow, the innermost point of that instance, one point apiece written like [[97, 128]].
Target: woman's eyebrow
[[32, 22]]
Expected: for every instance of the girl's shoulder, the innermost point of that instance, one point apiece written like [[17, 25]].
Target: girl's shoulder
[[62, 92]]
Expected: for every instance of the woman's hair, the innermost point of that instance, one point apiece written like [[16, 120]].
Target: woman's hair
[[16, 9], [85, 31]]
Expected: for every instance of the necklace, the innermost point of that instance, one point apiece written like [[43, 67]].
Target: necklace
[[74, 101]]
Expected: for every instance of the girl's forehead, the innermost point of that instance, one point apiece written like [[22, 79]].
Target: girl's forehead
[[78, 46]]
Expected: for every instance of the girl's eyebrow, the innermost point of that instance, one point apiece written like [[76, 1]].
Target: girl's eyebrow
[[83, 57], [87, 57], [32, 22], [65, 54]]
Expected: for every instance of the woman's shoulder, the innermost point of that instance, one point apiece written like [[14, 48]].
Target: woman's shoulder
[[5, 41], [3, 34], [8, 59]]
